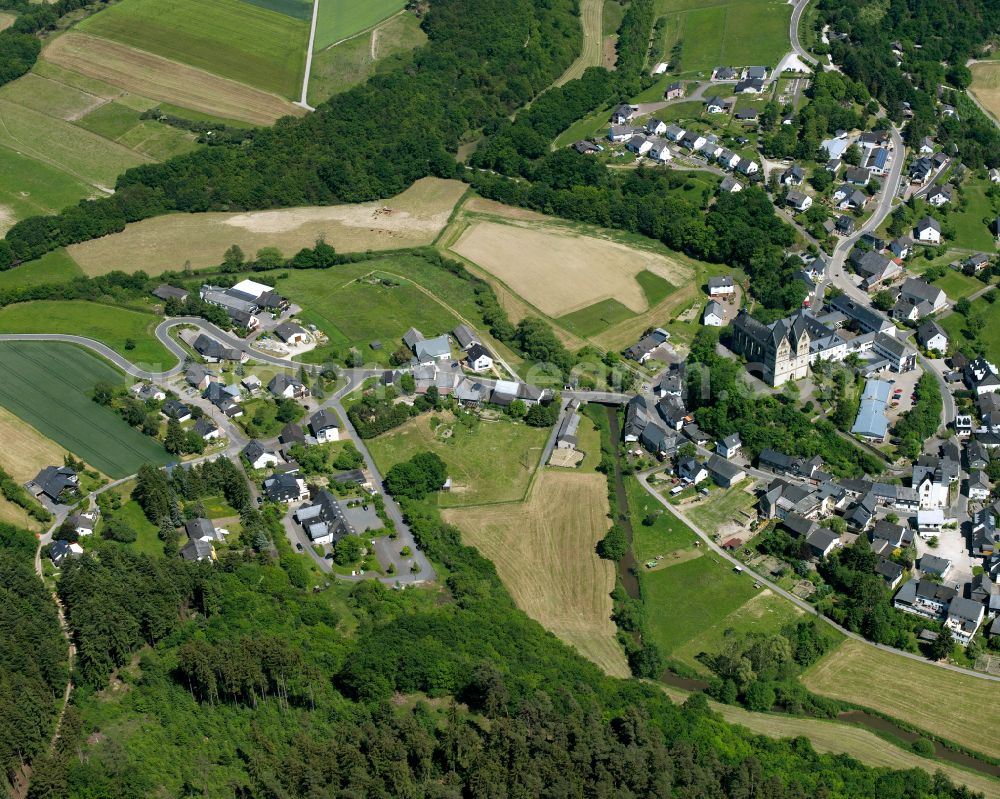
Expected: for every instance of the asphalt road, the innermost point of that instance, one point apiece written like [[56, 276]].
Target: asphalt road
[[793, 32]]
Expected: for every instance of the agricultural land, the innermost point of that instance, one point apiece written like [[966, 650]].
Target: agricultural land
[[567, 278], [346, 18], [229, 38], [49, 386], [986, 86], [544, 552], [130, 333], [162, 79], [410, 219], [720, 32], [339, 67], [885, 682], [488, 462], [53, 267]]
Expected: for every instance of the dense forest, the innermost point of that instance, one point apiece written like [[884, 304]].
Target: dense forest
[[249, 686], [937, 39], [33, 665]]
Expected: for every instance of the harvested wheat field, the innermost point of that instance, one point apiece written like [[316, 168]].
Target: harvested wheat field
[[986, 85], [559, 271], [411, 219], [25, 451], [168, 81], [888, 683], [544, 553]]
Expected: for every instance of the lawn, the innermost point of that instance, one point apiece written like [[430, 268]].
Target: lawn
[[148, 539], [230, 38], [596, 318], [353, 313], [713, 34], [666, 535], [989, 333], [956, 285], [762, 613], [49, 387], [53, 267], [112, 326], [687, 598], [722, 506], [491, 462], [339, 19], [886, 682], [585, 128], [543, 550], [259, 419], [971, 231], [336, 69]]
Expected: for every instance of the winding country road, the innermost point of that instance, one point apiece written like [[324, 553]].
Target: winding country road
[[643, 478], [793, 33]]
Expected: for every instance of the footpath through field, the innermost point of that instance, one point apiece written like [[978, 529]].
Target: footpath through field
[[303, 100], [592, 54]]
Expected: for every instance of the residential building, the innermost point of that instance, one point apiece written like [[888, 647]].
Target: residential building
[[932, 564], [749, 86], [148, 392], [323, 520], [977, 485], [932, 336], [656, 127], [730, 185], [964, 618], [822, 541], [748, 167], [176, 410], [930, 522], [724, 472], [198, 550], [857, 176], [928, 231], [644, 348], [566, 436], [714, 314], [168, 292], [213, 351], [639, 144], [285, 487], [793, 176], [725, 74], [939, 195], [799, 200], [84, 522], [283, 386], [890, 572], [721, 286], [584, 147], [325, 426], [478, 358], [257, 456], [207, 429], [730, 446], [429, 350], [674, 91], [917, 292], [623, 114], [924, 598], [691, 470], [716, 105], [980, 376]]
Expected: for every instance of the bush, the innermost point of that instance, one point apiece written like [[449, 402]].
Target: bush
[[614, 545]]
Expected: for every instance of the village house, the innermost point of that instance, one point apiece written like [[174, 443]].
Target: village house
[[176, 410], [566, 436], [148, 392], [325, 426], [584, 147], [901, 246], [478, 358], [730, 446], [213, 351], [691, 470], [724, 472], [924, 598], [674, 91], [932, 336], [723, 286], [257, 456], [644, 348], [716, 105], [197, 376], [285, 487], [323, 520], [283, 386], [207, 429], [964, 618], [291, 333], [928, 231], [799, 200], [59, 551], [656, 127], [714, 314], [939, 195], [730, 185]]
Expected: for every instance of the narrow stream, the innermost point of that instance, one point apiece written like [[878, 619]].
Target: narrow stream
[[627, 566]]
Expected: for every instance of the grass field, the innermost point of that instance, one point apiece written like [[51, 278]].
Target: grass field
[[971, 231], [592, 54], [666, 536], [713, 34], [721, 506], [416, 217], [762, 613], [25, 451], [686, 599], [229, 38], [80, 154], [892, 684], [298, 9], [490, 463], [989, 334], [569, 272], [596, 318], [340, 19], [838, 738], [109, 325], [147, 538], [49, 385], [956, 285], [544, 553], [29, 187], [986, 86], [353, 313], [336, 69]]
